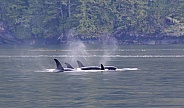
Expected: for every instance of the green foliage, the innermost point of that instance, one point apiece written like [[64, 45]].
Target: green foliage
[[49, 18]]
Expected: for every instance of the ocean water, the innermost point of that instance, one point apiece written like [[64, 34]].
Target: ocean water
[[153, 77]]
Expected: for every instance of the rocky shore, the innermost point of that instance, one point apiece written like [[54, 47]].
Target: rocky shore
[[8, 38]]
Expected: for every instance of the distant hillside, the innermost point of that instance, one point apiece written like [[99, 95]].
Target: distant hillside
[[90, 19]]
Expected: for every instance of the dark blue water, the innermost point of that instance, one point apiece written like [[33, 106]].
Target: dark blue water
[[157, 83]]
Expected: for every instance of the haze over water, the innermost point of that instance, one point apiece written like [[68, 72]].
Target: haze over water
[[158, 82]]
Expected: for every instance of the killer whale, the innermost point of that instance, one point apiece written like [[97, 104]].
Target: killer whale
[[69, 66], [82, 67], [94, 67], [59, 67]]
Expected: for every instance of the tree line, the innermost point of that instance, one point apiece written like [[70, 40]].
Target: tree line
[[92, 18]]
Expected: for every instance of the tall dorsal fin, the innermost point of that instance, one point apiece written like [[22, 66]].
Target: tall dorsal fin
[[80, 64], [69, 66], [102, 67], [58, 65]]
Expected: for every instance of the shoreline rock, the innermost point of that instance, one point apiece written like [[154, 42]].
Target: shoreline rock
[[119, 37]]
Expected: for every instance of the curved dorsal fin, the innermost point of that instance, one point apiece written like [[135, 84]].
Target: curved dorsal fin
[[80, 64], [69, 66], [102, 67], [58, 65]]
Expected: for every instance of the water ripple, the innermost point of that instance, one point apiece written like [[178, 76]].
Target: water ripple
[[89, 56], [101, 50]]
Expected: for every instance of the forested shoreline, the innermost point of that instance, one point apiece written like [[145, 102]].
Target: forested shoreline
[[60, 21]]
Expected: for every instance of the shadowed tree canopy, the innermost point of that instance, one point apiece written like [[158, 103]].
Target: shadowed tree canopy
[[92, 18]]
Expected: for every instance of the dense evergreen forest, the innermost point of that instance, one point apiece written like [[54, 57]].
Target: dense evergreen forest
[[90, 19]]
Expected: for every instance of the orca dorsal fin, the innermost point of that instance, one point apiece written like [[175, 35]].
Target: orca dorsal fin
[[80, 64], [69, 66], [102, 67], [58, 65]]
